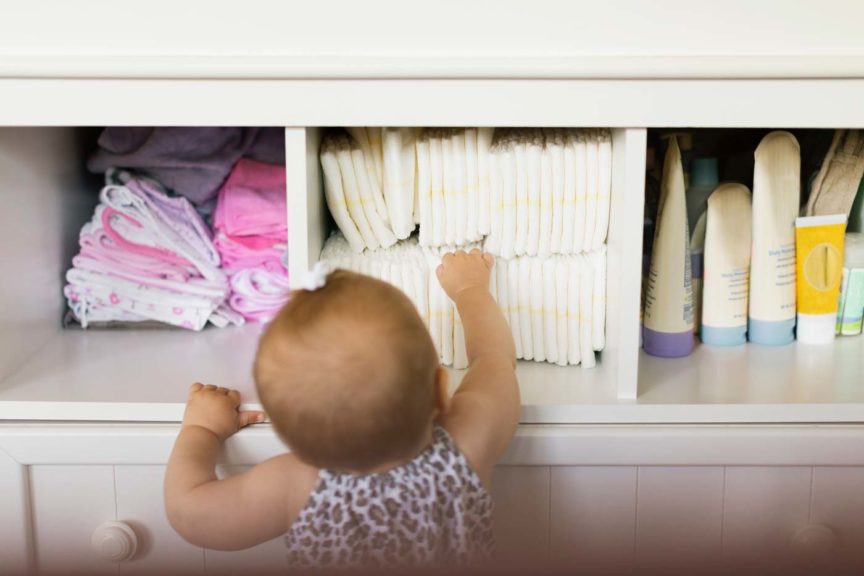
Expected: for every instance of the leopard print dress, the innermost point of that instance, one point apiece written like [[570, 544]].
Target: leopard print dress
[[431, 511]]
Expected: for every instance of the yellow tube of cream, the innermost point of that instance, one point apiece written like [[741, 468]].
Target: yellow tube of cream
[[819, 248]]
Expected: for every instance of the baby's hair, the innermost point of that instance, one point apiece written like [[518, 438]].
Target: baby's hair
[[347, 374]]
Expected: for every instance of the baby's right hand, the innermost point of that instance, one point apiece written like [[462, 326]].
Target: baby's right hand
[[217, 410], [459, 271]]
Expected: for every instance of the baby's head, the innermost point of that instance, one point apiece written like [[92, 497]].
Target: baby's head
[[348, 374]]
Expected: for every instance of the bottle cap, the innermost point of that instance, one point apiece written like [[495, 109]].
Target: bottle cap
[[703, 172]]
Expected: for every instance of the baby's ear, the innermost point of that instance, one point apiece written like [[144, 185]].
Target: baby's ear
[[442, 396]]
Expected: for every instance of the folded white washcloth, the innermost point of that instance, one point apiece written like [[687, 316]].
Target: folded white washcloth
[[103, 297]]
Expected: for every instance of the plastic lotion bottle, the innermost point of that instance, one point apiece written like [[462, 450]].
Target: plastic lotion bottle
[[703, 181], [697, 265], [776, 197], [850, 313], [668, 319], [727, 266], [820, 270]]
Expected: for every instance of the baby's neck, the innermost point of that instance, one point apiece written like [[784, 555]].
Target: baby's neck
[[390, 464]]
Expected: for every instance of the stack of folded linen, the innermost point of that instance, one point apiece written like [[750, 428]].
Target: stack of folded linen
[[550, 191], [555, 305], [251, 223], [146, 256]]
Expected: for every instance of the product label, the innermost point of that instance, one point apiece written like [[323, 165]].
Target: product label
[[727, 298], [772, 291], [820, 267]]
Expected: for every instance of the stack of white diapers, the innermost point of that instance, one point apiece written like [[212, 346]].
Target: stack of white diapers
[[550, 191], [538, 199], [369, 185], [555, 306]]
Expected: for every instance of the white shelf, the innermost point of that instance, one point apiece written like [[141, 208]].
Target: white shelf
[[127, 375], [143, 375]]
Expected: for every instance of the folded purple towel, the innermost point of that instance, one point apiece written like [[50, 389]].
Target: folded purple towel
[[192, 162]]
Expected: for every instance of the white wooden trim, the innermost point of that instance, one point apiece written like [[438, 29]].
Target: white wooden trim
[[299, 219], [345, 67], [561, 103], [571, 445], [624, 261], [16, 545]]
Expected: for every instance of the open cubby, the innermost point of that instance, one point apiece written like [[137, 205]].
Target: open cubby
[[51, 373]]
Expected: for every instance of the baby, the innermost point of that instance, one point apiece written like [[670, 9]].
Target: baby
[[385, 468]]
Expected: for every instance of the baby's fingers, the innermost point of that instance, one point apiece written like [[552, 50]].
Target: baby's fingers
[[251, 417]]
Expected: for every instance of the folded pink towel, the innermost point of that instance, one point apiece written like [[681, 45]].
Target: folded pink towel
[[258, 294], [238, 252], [251, 222], [252, 202]]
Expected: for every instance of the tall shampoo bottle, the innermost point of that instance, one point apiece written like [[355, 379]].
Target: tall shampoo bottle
[[668, 318], [776, 197]]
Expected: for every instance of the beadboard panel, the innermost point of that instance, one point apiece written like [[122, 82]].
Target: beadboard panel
[[679, 517], [140, 504], [69, 503], [593, 517]]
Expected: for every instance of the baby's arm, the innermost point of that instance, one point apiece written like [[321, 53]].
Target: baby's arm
[[484, 411], [242, 510]]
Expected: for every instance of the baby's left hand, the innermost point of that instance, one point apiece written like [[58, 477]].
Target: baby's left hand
[[217, 410]]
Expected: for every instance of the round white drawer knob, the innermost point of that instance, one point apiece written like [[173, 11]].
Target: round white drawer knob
[[114, 541], [813, 540]]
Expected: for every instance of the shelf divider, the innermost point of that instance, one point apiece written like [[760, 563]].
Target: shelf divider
[[624, 258]]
